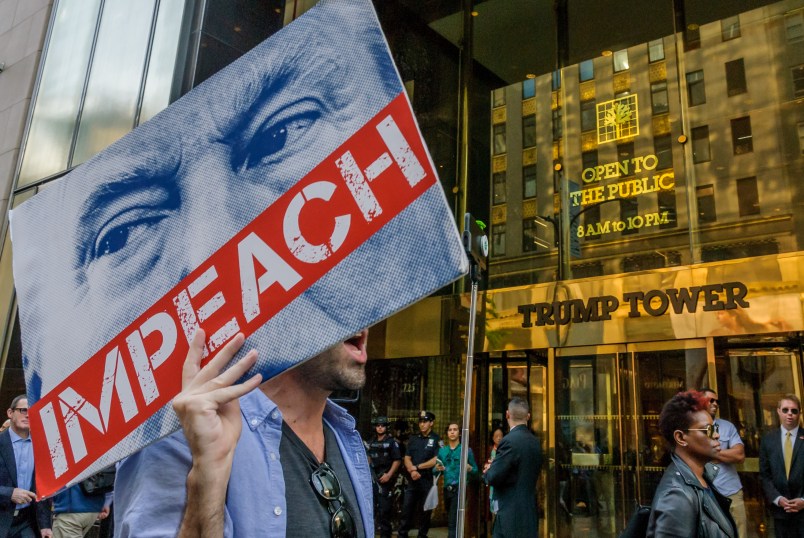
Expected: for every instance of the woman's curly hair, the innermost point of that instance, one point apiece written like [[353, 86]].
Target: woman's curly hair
[[677, 412]]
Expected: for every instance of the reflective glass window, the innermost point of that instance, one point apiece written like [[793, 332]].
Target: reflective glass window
[[692, 37], [498, 97], [499, 139], [706, 203], [620, 60], [700, 144], [529, 181], [658, 98], [558, 123], [529, 131], [798, 81], [742, 138], [530, 240], [629, 211], [730, 28], [528, 88], [655, 50], [666, 202], [586, 70], [47, 149], [589, 159], [160, 89], [556, 80], [748, 196], [794, 26], [498, 240], [588, 115], [735, 77], [696, 89], [499, 188], [663, 149]]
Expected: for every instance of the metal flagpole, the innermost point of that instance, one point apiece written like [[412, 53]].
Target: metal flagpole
[[476, 244]]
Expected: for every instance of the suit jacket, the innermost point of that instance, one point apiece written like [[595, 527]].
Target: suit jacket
[[513, 473], [771, 470], [40, 518]]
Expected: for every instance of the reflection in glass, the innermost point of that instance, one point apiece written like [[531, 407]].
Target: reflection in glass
[[159, 91], [620, 60], [114, 82], [741, 137], [47, 148], [499, 139]]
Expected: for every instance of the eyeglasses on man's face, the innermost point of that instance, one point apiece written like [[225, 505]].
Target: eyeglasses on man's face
[[21, 410], [791, 410], [714, 401], [326, 485], [711, 430]]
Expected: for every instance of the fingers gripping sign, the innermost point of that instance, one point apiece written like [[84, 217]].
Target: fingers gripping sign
[[209, 412]]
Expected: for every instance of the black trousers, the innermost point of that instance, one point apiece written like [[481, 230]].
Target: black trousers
[[22, 525], [789, 527], [451, 508], [415, 494], [383, 504]]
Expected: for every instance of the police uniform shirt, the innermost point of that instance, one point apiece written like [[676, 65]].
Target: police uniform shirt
[[383, 454], [422, 449]]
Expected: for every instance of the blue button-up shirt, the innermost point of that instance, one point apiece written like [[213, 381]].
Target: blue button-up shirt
[[150, 489], [23, 455]]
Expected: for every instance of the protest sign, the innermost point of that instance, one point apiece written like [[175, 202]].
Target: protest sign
[[289, 197]]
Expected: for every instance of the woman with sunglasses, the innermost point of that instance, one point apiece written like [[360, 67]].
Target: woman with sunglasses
[[685, 503]]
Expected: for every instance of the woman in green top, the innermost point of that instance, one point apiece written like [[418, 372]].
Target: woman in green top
[[449, 462]]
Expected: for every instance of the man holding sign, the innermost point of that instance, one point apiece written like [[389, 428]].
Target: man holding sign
[[297, 470], [266, 202]]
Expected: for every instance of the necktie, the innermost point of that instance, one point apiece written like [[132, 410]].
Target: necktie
[[788, 454]]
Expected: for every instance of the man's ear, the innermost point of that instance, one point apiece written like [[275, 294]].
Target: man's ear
[[9, 412]]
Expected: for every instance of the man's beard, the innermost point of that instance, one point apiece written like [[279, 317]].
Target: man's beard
[[334, 370]]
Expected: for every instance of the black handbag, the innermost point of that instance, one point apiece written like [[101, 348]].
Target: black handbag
[[99, 483], [638, 524]]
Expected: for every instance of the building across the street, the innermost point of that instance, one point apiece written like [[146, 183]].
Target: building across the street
[[639, 167]]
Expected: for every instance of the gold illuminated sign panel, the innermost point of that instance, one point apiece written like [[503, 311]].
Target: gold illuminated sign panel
[[617, 119]]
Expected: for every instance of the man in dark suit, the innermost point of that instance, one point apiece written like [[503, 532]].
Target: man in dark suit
[[20, 515], [513, 473], [781, 466]]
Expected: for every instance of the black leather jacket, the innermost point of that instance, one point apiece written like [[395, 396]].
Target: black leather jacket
[[683, 508]]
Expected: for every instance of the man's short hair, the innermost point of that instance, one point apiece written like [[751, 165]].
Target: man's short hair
[[792, 398], [707, 389], [16, 400], [518, 409]]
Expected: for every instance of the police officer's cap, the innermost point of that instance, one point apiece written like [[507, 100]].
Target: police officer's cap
[[426, 415], [380, 421]]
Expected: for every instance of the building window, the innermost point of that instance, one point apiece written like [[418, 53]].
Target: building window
[[558, 123], [730, 28], [587, 70], [801, 137], [625, 153], [655, 50], [530, 235], [663, 149], [498, 240], [794, 27], [620, 60], [528, 88], [706, 203], [498, 181], [629, 208], [498, 97], [658, 98], [692, 37], [735, 77], [529, 181], [499, 139], [556, 81], [589, 159], [529, 131], [696, 90], [741, 138], [748, 196], [700, 144], [666, 201], [588, 115], [798, 81]]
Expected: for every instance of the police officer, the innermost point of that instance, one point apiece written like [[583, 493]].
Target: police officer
[[385, 457], [420, 459]]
